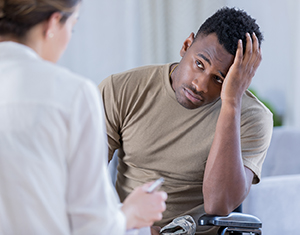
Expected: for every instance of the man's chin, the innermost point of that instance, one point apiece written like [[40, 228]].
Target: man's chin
[[187, 104]]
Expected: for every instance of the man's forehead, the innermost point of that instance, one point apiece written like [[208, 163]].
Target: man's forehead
[[209, 49], [209, 40], [209, 46]]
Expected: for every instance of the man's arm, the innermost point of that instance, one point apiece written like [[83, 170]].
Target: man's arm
[[226, 180]]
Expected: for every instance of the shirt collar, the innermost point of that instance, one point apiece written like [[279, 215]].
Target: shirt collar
[[10, 49]]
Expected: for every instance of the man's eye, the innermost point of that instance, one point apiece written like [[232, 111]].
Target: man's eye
[[219, 80], [199, 64]]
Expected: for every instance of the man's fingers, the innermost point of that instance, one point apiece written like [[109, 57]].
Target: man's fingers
[[256, 56], [252, 56], [238, 59], [255, 43], [256, 52], [249, 49], [257, 62], [255, 49]]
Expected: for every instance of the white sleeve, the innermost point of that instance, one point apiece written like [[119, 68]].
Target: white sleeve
[[92, 202], [141, 231]]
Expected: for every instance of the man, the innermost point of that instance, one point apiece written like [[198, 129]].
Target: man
[[193, 122]]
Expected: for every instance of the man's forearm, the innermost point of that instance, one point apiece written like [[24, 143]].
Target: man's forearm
[[225, 181]]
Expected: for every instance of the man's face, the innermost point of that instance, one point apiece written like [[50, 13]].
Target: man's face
[[198, 79]]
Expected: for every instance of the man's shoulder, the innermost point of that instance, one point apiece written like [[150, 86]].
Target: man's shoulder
[[140, 75], [252, 106], [143, 69]]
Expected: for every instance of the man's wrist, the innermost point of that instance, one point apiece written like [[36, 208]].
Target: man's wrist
[[232, 105]]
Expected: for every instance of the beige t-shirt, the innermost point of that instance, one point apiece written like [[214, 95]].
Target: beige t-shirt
[[158, 137]]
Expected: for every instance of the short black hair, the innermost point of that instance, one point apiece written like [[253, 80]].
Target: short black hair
[[230, 25]]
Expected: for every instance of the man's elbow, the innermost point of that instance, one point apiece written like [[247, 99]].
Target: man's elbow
[[217, 209]]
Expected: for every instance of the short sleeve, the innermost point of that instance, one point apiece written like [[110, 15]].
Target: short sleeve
[[256, 133]]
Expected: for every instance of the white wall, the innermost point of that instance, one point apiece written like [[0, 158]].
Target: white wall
[[112, 36], [104, 39], [275, 79]]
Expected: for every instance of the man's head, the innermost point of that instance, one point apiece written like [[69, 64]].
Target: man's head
[[230, 25], [207, 57]]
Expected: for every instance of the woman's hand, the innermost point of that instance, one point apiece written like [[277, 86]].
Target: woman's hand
[[142, 209]]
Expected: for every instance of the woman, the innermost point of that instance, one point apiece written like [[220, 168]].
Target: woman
[[53, 166]]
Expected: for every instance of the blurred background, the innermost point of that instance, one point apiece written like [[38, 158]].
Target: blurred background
[[116, 35]]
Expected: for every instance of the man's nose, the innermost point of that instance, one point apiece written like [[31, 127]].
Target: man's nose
[[201, 83]]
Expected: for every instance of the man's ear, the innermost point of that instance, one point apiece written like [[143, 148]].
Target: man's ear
[[186, 44], [52, 25]]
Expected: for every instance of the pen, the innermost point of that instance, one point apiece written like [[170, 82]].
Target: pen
[[155, 185]]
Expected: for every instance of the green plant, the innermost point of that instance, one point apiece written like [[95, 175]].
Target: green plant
[[277, 119]]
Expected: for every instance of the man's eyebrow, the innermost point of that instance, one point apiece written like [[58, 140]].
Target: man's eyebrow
[[205, 58], [221, 74], [208, 61]]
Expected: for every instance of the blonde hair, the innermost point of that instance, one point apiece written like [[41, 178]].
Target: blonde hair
[[18, 16]]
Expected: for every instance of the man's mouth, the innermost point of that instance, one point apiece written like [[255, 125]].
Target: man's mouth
[[194, 98]]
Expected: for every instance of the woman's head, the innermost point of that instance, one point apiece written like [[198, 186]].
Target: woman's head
[[18, 18]]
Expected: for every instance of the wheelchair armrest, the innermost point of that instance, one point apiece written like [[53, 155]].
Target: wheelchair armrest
[[234, 219]]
